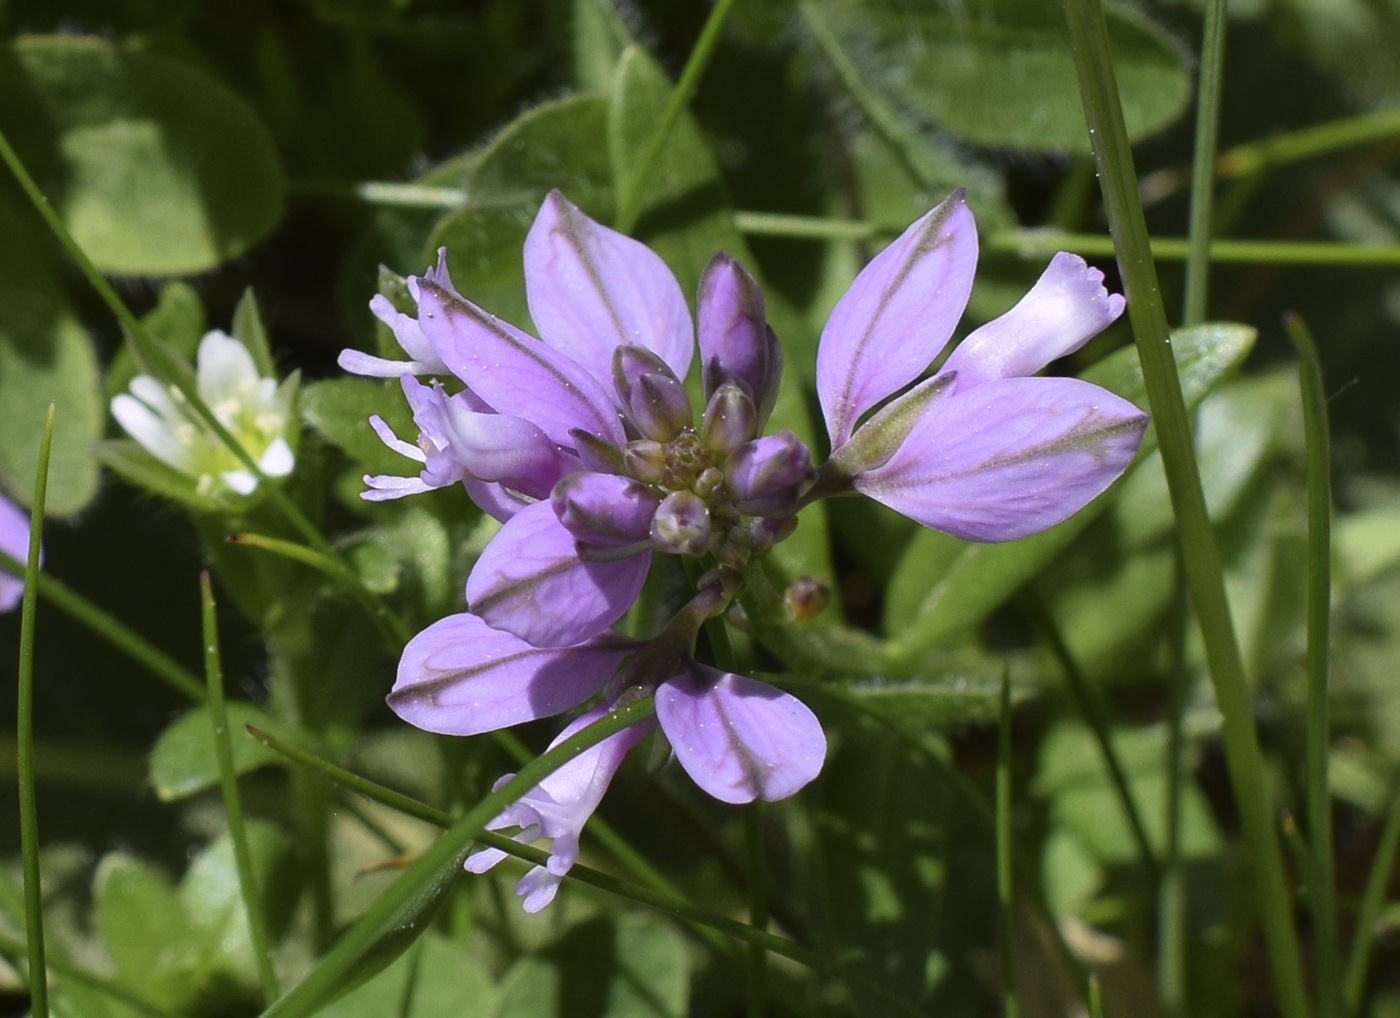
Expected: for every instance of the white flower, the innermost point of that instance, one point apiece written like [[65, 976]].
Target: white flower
[[256, 411]]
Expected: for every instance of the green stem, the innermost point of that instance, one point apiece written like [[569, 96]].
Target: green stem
[[1372, 901], [1201, 555], [228, 783], [1319, 804], [1005, 873], [24, 738], [902, 141], [1095, 997], [1171, 896], [1203, 164], [1042, 242], [392, 627], [163, 363], [1308, 142], [758, 909], [680, 97], [1091, 706], [105, 625], [383, 193]]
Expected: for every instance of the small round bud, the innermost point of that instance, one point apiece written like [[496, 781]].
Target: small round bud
[[681, 525]]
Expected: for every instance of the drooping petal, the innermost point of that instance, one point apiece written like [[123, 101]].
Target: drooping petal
[[511, 371], [494, 499], [559, 806], [153, 433], [739, 739], [591, 289], [14, 542], [1067, 307], [1008, 458], [897, 315], [736, 344], [531, 582], [461, 677]]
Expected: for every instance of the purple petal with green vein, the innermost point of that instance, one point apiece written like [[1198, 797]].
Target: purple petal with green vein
[[592, 289], [531, 582], [896, 316], [461, 677], [1008, 458]]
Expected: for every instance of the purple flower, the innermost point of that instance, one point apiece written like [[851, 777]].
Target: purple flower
[[981, 451], [14, 542], [583, 442]]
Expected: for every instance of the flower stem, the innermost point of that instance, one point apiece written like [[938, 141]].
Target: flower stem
[[1171, 894], [105, 625], [228, 784], [1203, 164], [1319, 805], [1201, 555], [161, 362], [24, 738], [680, 97], [1372, 901], [1005, 879], [758, 908]]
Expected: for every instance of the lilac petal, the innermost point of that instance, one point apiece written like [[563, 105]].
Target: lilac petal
[[1066, 308], [461, 677], [531, 582], [423, 359], [384, 487], [592, 289], [14, 542], [736, 344], [508, 369], [494, 499], [559, 806], [767, 476], [896, 316], [1009, 458], [739, 739], [498, 447], [604, 510]]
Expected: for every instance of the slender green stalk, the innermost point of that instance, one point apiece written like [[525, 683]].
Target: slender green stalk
[[1320, 139], [163, 364], [105, 625], [1095, 997], [383, 193], [24, 739], [1319, 802], [1171, 895], [1200, 553], [15, 952], [695, 65], [331, 565], [1203, 164], [903, 142], [758, 909], [228, 783], [1041, 242], [1091, 706], [1005, 875], [438, 863], [1372, 901]]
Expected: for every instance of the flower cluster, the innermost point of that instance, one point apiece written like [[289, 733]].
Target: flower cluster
[[257, 412], [14, 542], [584, 444]]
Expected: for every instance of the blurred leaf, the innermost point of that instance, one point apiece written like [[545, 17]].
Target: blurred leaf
[[183, 761], [156, 168], [943, 585], [1004, 76], [964, 690], [448, 981], [1367, 543], [177, 321], [249, 330], [146, 933], [599, 38], [339, 409], [213, 901], [632, 967], [558, 144]]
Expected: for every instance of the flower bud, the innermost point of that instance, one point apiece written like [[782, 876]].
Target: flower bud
[[736, 344], [681, 525], [652, 397], [769, 475], [730, 420], [645, 460], [604, 511], [597, 455]]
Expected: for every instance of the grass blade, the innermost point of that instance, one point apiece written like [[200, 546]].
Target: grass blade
[[1005, 880]]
